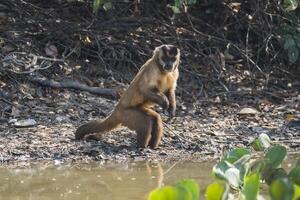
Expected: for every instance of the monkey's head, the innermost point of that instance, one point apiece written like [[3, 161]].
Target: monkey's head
[[168, 57]]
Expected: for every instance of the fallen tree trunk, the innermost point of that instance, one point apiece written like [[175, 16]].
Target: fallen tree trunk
[[71, 84]]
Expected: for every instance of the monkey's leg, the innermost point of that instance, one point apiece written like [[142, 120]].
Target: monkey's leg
[[157, 128], [137, 120]]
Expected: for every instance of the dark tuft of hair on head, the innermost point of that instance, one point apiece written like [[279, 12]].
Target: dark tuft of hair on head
[[173, 50]]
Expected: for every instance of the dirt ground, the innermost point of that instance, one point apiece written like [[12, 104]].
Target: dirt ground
[[198, 132]]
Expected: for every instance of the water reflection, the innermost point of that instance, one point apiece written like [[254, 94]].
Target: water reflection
[[109, 181]]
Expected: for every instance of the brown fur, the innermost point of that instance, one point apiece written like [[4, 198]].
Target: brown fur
[[152, 85]]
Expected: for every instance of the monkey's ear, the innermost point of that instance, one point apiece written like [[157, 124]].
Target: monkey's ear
[[157, 51]]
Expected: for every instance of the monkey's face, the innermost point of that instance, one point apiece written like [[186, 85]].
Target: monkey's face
[[169, 57]]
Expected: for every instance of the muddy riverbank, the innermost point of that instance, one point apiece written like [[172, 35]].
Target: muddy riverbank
[[200, 131]]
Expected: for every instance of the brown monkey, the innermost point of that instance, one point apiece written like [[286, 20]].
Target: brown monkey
[[154, 84]]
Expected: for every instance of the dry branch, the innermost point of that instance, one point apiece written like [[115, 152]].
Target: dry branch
[[71, 84]]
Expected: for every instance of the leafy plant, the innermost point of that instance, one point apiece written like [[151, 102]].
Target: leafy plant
[[105, 4], [235, 154], [282, 189], [294, 175], [251, 186], [291, 43], [183, 190], [240, 173], [290, 5], [215, 191], [289, 32], [296, 192], [275, 155], [178, 4], [262, 142]]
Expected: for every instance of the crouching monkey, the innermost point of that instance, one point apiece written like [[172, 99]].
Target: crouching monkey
[[154, 84]]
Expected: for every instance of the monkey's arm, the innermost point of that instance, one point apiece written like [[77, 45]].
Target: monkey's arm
[[172, 100], [157, 97]]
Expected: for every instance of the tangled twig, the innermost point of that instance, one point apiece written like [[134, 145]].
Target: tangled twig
[[18, 60]]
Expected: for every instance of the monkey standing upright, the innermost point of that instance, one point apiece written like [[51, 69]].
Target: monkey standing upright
[[154, 84]]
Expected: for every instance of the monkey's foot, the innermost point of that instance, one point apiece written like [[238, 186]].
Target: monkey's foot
[[94, 136]]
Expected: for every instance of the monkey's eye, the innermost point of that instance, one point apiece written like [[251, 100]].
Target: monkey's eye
[[164, 59]]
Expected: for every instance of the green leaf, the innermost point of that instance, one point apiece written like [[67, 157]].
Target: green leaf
[[243, 165], [178, 3], [232, 176], [191, 188], [166, 193], [293, 54], [259, 166], [275, 174], [175, 9], [184, 190], [96, 5], [256, 145], [262, 142], [107, 6], [289, 43], [290, 5], [275, 155], [266, 171], [294, 175], [183, 193], [214, 191], [235, 154], [251, 186], [296, 192], [220, 168], [281, 189]]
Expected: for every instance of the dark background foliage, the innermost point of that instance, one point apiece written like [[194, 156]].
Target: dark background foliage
[[226, 45]]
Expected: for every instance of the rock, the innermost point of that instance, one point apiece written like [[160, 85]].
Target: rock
[[51, 50], [17, 152], [61, 119], [57, 162], [24, 158], [248, 111], [183, 107], [12, 121], [25, 123], [163, 153]]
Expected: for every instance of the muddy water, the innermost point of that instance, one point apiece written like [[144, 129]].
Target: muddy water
[[110, 181]]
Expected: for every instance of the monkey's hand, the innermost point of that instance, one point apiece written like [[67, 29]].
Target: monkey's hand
[[171, 111], [164, 103], [158, 98]]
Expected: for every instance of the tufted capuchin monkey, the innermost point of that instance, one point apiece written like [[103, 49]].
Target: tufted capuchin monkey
[[154, 84]]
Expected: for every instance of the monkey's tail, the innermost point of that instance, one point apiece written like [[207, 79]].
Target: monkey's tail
[[97, 126]]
